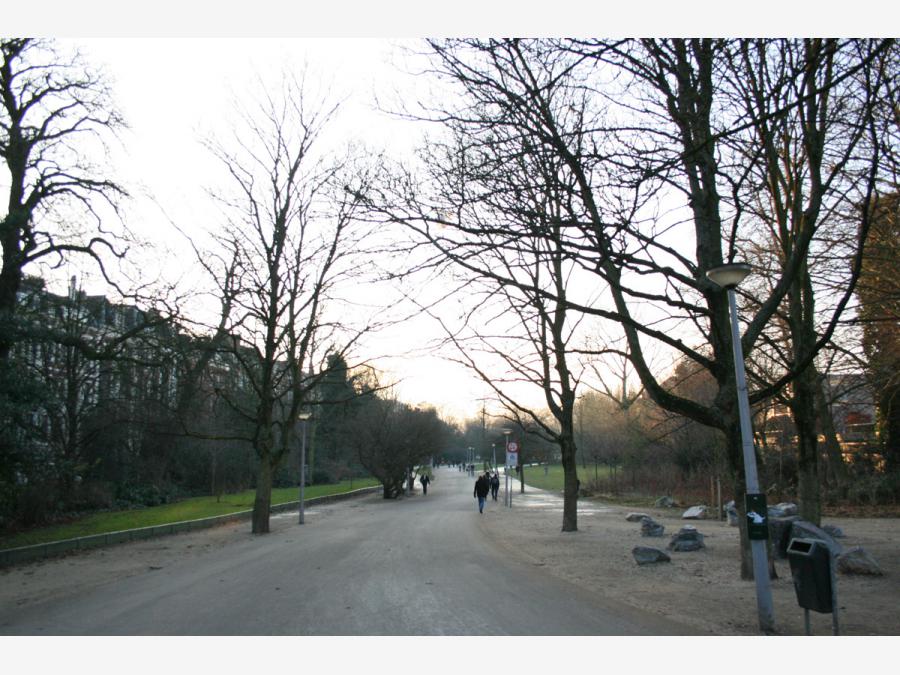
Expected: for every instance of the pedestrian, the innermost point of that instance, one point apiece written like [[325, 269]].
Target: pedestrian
[[424, 480], [482, 487], [495, 485]]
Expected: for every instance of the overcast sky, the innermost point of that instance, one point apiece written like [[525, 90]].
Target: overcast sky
[[175, 92], [177, 66]]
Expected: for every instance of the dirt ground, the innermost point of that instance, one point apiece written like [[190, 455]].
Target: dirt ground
[[703, 588]]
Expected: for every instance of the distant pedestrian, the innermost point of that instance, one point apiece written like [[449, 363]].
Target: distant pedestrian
[[495, 485], [482, 487], [424, 480]]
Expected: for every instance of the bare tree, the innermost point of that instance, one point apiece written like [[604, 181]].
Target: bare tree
[[501, 242], [289, 244], [654, 155], [392, 438], [812, 140], [54, 111]]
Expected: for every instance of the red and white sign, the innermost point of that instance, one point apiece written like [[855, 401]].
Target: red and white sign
[[512, 447]]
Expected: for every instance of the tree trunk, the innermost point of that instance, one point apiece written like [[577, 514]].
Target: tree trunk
[[263, 501], [837, 470], [804, 413], [570, 490]]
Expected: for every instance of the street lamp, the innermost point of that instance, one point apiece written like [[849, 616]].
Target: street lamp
[[507, 484], [303, 417], [728, 277], [494, 455]]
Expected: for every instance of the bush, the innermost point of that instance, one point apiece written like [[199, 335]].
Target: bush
[[322, 477], [36, 505], [92, 495], [137, 496], [876, 488]]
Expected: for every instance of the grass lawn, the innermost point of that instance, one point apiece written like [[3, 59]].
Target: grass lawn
[[188, 509], [553, 481], [534, 475]]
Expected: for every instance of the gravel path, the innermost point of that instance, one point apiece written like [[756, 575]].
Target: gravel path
[[700, 588]]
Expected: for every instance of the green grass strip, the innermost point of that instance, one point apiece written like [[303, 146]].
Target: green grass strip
[[554, 478], [188, 509]]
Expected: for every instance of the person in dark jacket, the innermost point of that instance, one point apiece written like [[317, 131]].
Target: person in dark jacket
[[482, 487], [495, 485], [424, 480]]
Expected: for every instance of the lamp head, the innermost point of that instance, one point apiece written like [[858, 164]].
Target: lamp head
[[304, 416], [730, 275]]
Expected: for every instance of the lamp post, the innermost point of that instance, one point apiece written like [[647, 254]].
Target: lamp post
[[728, 277], [507, 484], [303, 417], [494, 456]]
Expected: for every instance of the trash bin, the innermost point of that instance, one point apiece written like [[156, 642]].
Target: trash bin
[[810, 562]]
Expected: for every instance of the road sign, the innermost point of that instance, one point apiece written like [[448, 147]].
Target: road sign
[[512, 458], [512, 447]]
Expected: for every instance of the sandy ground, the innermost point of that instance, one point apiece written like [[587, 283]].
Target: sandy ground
[[701, 588]]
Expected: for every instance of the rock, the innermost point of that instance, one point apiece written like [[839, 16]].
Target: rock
[[834, 531], [664, 503], [857, 561], [645, 555], [650, 528], [687, 539], [695, 513], [783, 510], [780, 534], [636, 517], [802, 529]]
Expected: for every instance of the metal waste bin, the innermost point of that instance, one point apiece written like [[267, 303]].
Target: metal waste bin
[[813, 577]]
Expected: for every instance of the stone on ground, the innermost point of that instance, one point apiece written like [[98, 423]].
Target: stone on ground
[[834, 531], [644, 555], [802, 529], [699, 512], [780, 534], [650, 528], [857, 561], [783, 510], [687, 539]]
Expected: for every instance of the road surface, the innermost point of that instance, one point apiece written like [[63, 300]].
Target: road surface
[[416, 566]]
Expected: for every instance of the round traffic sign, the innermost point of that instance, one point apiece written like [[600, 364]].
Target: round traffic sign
[[513, 446]]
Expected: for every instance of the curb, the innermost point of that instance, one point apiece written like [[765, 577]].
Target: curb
[[13, 556]]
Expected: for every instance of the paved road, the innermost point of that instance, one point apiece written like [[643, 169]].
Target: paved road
[[417, 566]]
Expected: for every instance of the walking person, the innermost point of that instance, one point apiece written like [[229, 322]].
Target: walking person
[[495, 485], [424, 480], [482, 487]]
